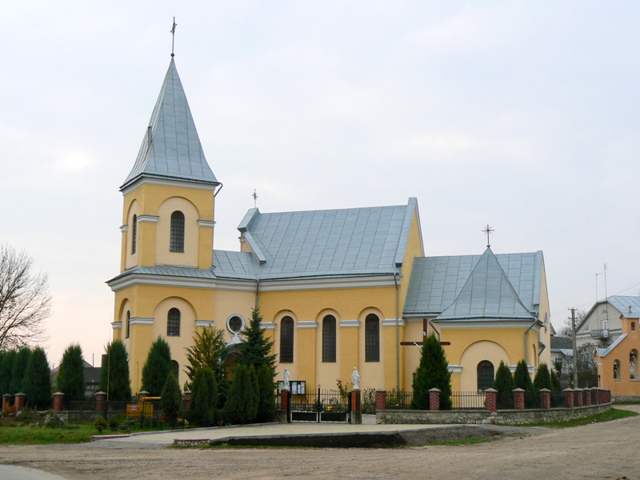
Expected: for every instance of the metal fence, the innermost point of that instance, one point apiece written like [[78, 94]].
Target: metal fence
[[398, 400], [468, 400], [82, 411], [320, 406]]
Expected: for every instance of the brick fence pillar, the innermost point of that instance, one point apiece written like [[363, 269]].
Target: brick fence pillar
[[608, 396], [187, 400], [579, 397], [518, 398], [587, 396], [545, 398], [434, 399], [6, 401], [58, 401], [492, 399], [597, 397], [568, 397], [381, 399], [101, 401], [21, 399], [356, 416], [285, 396]]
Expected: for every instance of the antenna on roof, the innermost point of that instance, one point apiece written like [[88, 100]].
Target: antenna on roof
[[173, 35], [488, 231], [255, 198]]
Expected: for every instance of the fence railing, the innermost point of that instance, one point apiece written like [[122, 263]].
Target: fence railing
[[468, 400]]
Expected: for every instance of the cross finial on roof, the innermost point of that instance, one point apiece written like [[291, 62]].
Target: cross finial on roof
[[488, 231], [173, 35], [255, 198]]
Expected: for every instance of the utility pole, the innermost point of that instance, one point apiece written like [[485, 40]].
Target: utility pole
[[575, 350]]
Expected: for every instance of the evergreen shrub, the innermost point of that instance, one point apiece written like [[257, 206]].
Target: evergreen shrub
[[504, 385], [433, 372]]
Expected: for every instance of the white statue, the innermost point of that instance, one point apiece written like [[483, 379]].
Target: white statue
[[355, 379], [632, 367], [285, 380]]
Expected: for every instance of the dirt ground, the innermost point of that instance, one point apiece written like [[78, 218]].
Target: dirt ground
[[609, 450]]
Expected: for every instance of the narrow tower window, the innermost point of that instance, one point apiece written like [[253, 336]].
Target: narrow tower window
[[175, 368], [372, 338], [329, 339], [128, 331], [286, 340], [173, 323], [134, 234], [176, 239]]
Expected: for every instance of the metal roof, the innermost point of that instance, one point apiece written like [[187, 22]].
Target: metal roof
[[351, 241], [629, 306], [436, 282], [171, 148]]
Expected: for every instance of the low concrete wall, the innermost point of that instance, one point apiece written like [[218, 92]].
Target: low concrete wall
[[501, 417], [626, 399]]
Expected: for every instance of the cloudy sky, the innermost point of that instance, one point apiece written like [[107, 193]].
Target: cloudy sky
[[523, 115]]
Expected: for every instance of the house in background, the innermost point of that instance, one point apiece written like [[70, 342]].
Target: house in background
[[617, 363], [562, 355], [91, 379], [602, 324]]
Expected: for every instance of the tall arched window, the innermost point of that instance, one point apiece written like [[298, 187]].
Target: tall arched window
[[173, 323], [485, 375], [286, 340], [175, 368], [329, 339], [176, 238], [128, 326], [134, 234], [633, 363], [372, 338]]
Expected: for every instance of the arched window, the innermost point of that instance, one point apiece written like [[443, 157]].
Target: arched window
[[633, 362], [485, 375], [175, 368], [616, 369], [286, 340], [173, 323], [176, 239], [329, 339], [633, 326], [372, 338], [134, 234], [128, 326]]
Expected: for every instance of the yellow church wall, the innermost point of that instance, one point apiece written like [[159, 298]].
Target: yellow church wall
[[150, 198], [544, 315], [348, 304], [189, 257], [413, 333], [473, 355]]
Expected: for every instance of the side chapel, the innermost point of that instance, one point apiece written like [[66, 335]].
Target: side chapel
[[337, 289]]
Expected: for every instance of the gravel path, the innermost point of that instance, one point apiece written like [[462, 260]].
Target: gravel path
[[608, 450]]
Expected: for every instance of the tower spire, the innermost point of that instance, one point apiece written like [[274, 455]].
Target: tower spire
[[173, 36]]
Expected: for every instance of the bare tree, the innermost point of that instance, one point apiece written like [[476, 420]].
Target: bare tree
[[565, 330], [24, 300]]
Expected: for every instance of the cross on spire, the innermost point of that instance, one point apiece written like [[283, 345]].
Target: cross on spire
[[488, 231], [255, 198], [173, 35]]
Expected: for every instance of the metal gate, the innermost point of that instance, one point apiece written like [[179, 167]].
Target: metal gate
[[320, 406]]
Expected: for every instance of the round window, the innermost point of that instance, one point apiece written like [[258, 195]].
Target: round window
[[235, 324]]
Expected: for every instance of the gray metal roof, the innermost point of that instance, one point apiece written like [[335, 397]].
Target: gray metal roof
[[629, 306], [325, 242], [171, 147], [436, 282]]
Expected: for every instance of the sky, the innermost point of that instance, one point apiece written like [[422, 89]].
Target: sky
[[520, 115]]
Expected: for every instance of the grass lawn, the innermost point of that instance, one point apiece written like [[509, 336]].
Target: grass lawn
[[609, 415], [30, 435]]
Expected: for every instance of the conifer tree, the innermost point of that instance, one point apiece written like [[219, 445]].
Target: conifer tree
[[171, 400], [19, 368], [157, 367], [114, 375], [209, 350], [71, 374], [542, 378], [241, 405], [37, 380], [256, 348], [433, 372], [555, 383], [6, 367], [522, 379], [204, 398], [504, 385], [266, 395]]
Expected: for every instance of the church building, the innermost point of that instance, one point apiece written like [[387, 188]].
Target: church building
[[337, 289]]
